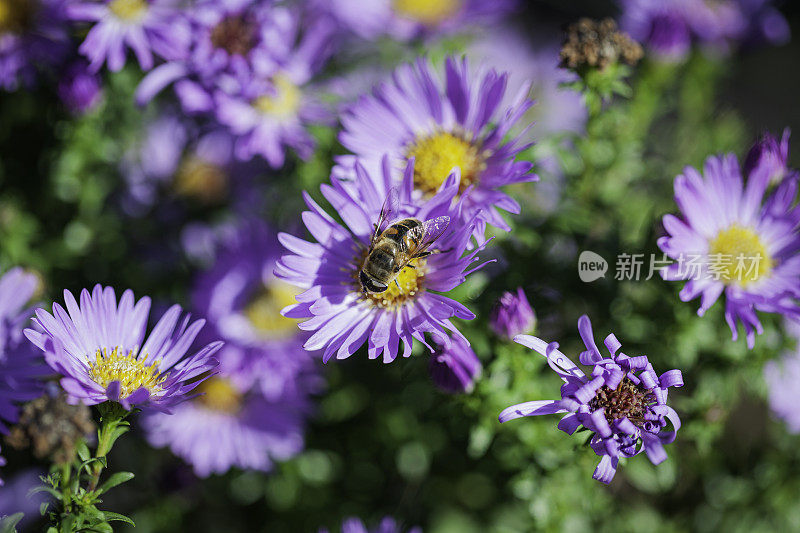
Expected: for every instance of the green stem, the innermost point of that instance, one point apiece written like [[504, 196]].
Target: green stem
[[112, 415]]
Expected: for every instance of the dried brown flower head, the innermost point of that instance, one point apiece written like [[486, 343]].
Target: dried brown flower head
[[594, 43], [51, 428]]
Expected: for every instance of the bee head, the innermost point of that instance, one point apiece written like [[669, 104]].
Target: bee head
[[370, 284]]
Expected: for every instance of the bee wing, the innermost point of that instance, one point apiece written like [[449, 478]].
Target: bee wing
[[389, 210], [430, 230]]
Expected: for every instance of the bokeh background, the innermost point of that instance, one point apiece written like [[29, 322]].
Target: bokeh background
[[382, 439]]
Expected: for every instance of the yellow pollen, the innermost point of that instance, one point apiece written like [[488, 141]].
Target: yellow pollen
[[130, 370], [428, 12], [201, 180], [264, 312], [409, 284], [739, 256], [435, 157], [130, 10], [219, 394], [284, 103]]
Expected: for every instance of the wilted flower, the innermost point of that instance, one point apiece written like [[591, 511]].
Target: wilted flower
[[50, 427], [342, 316], [407, 19], [784, 392], [33, 33], [512, 315], [79, 88], [598, 44], [623, 402], [771, 156], [145, 26], [454, 369], [21, 367], [735, 241], [459, 122], [386, 525], [100, 350]]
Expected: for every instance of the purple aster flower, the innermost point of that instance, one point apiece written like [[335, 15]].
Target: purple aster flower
[[80, 89], [459, 123], [100, 350], [771, 156], [669, 27], [342, 316], [32, 34], [407, 19], [784, 394], [455, 369], [386, 525], [21, 367], [232, 423], [512, 315], [623, 402], [733, 240], [242, 300], [147, 27]]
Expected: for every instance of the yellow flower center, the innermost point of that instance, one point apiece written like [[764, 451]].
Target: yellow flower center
[[130, 370], [200, 179], [264, 312], [435, 157], [130, 10], [219, 394], [739, 256], [428, 12], [285, 101], [16, 15], [409, 282]]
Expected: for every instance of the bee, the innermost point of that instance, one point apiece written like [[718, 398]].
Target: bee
[[391, 249]]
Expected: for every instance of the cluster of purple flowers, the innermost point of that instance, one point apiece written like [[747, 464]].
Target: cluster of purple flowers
[[670, 27]]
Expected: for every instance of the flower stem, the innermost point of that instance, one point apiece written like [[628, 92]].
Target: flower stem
[[112, 416]]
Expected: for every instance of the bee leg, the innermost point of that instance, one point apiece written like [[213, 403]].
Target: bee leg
[[398, 285], [425, 254]]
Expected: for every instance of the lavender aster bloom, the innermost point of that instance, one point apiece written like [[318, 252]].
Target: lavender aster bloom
[[339, 313], [232, 423], [21, 367], [79, 88], [734, 241], [32, 34], [784, 395], [512, 315], [459, 123], [147, 27], [100, 350], [242, 300], [456, 368], [386, 525], [769, 155], [669, 27], [407, 19], [623, 401]]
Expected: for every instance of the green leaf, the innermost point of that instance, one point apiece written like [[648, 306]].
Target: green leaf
[[116, 517], [9, 523], [116, 479], [83, 451], [43, 508], [53, 492]]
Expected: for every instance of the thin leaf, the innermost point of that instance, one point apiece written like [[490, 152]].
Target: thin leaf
[[116, 479], [9, 523], [116, 517]]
